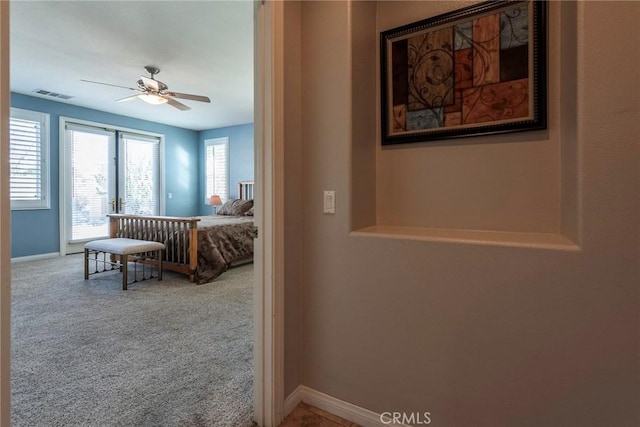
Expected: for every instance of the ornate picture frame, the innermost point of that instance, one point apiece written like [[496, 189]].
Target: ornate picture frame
[[475, 71]]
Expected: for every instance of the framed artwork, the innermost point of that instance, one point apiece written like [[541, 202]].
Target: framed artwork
[[475, 71]]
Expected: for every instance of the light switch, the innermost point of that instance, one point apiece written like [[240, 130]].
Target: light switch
[[170, 195], [329, 202]]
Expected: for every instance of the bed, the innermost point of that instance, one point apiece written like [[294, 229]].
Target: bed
[[200, 247]]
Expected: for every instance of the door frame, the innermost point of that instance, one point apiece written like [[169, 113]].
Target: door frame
[[5, 222], [268, 385]]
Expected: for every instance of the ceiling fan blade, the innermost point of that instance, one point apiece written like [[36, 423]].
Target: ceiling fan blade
[[128, 98], [150, 83], [188, 96], [177, 104], [107, 84]]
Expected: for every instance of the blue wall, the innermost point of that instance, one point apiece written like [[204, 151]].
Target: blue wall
[[38, 231], [240, 159]]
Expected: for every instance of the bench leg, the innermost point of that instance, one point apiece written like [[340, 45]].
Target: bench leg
[[123, 267], [160, 255], [86, 264]]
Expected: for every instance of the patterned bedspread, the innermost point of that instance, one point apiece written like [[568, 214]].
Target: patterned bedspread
[[222, 241]]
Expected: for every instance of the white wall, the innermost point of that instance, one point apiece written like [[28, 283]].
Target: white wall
[[475, 334]]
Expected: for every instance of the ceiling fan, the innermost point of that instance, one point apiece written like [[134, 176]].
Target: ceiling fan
[[155, 92]]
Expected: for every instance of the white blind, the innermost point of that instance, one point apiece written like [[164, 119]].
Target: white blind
[[89, 192], [141, 157], [28, 158], [216, 155]]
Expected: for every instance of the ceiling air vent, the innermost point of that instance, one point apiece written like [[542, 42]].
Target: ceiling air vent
[[52, 94]]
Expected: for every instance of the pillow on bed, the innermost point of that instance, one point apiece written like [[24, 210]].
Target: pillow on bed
[[235, 207]]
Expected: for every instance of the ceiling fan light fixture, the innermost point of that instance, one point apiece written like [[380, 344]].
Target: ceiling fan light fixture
[[152, 98], [155, 92]]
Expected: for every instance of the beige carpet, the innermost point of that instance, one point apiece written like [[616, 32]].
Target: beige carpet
[[170, 353]]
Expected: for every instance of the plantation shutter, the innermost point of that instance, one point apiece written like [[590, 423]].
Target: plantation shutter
[[216, 164], [28, 151]]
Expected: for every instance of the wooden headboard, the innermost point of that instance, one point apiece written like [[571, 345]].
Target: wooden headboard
[[245, 190]]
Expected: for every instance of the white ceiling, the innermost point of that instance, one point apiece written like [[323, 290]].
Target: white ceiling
[[201, 47]]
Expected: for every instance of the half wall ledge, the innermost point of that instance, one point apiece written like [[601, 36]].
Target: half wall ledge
[[471, 237]]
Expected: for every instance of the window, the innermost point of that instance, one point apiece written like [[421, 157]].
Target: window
[[217, 167], [29, 159]]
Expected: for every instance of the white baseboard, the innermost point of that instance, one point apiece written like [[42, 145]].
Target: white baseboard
[[35, 257], [335, 406], [292, 400]]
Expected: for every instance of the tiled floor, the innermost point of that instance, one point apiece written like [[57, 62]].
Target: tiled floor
[[305, 415]]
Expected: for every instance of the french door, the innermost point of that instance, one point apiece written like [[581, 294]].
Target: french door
[[105, 171]]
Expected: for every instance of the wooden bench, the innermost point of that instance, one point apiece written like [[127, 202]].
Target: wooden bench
[[120, 250]]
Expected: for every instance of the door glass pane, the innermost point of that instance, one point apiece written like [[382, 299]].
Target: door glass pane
[[90, 155], [141, 174]]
